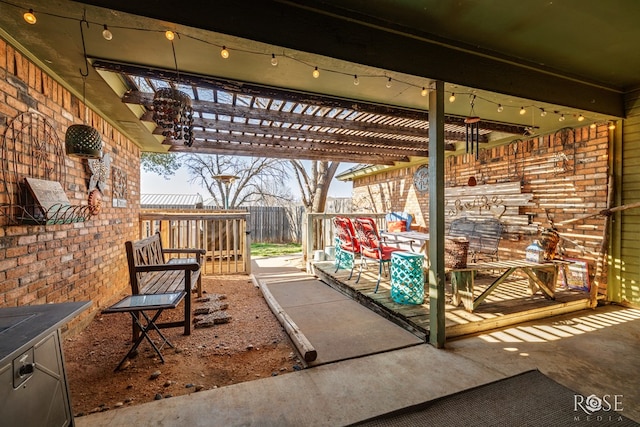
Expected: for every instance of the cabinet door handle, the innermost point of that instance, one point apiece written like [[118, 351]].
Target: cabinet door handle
[[26, 369]]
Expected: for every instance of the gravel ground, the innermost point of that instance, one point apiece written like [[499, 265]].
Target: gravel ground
[[250, 346]]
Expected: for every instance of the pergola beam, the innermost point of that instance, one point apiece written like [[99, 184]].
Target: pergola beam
[[227, 148]]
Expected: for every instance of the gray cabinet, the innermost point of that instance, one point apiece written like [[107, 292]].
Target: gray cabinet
[[33, 384]]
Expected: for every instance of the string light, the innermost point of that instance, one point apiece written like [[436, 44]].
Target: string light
[[30, 17], [592, 125], [612, 126], [106, 33]]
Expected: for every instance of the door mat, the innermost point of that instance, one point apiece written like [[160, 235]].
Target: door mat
[[527, 399]]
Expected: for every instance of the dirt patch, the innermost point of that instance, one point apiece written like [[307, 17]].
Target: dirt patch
[[251, 345]]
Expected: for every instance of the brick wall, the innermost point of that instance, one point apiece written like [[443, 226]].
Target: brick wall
[[566, 172], [81, 261]]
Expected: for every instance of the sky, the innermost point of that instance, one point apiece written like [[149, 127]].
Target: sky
[[150, 183]]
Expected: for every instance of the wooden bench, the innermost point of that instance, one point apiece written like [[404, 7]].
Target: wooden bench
[[483, 236], [542, 276], [150, 273]]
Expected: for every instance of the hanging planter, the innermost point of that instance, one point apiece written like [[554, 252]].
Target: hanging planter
[[83, 141]]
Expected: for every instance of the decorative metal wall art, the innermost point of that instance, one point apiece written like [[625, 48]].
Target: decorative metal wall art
[[119, 188], [33, 174], [100, 169]]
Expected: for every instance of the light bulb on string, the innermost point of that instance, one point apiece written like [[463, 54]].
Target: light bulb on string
[[389, 83], [612, 126], [106, 33], [500, 108], [580, 118], [356, 82], [424, 91], [170, 35], [316, 73], [30, 17], [523, 111], [542, 112], [592, 125], [561, 119], [274, 60], [452, 98], [224, 53]]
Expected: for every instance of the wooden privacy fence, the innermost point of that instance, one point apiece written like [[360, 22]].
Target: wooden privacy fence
[[223, 235], [276, 224]]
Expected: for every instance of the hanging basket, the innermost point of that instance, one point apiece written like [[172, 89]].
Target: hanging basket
[[83, 141]]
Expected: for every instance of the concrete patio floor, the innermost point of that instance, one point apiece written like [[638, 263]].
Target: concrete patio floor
[[593, 352]]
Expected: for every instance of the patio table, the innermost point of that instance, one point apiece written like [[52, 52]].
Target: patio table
[[138, 304], [542, 277], [404, 238]]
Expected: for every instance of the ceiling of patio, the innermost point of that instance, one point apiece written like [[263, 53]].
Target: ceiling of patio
[[569, 58]]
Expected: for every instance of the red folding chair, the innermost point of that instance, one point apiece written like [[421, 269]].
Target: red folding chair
[[347, 246], [371, 246]]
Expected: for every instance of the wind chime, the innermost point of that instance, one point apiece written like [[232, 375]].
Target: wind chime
[[172, 110], [472, 131]]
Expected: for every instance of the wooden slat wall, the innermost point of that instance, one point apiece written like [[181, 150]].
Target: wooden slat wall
[[625, 253], [504, 201], [567, 173]]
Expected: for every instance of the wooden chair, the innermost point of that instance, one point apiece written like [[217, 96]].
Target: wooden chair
[[372, 246], [347, 246]]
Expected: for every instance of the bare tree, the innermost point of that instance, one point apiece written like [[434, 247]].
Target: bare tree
[[314, 183], [256, 180], [314, 187]]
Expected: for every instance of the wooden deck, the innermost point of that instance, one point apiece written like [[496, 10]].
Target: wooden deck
[[509, 304]]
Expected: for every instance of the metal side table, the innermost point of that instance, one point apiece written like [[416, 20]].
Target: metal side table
[[139, 304]]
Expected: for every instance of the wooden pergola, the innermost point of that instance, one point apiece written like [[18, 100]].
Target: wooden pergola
[[235, 118]]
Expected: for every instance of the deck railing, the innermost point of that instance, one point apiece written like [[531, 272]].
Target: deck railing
[[223, 234], [319, 226]]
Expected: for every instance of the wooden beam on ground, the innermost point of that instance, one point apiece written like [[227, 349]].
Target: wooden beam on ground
[[302, 344]]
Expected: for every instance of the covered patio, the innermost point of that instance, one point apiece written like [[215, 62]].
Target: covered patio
[[386, 84]]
